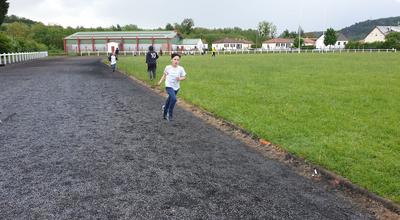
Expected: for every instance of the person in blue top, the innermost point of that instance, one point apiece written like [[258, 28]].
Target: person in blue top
[[151, 60], [173, 74]]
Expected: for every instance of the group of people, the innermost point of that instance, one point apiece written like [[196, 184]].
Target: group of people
[[172, 76]]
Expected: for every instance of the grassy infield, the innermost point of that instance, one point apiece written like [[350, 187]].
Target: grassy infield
[[341, 111]]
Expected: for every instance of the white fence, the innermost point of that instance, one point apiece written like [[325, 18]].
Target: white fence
[[256, 51], [8, 58]]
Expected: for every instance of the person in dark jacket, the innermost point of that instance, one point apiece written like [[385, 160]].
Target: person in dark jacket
[[151, 60]]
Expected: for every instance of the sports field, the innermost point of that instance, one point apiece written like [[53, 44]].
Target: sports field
[[341, 111]]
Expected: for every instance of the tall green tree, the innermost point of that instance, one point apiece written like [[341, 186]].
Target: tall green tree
[[18, 30], [267, 29], [169, 27], [298, 43], [5, 44], [3, 10], [330, 37], [392, 40], [187, 26]]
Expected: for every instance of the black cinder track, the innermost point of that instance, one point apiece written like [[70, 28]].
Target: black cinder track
[[78, 141]]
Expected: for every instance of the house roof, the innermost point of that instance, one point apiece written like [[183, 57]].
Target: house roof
[[188, 42], [233, 41], [309, 41], [340, 37], [279, 40], [388, 29], [123, 34]]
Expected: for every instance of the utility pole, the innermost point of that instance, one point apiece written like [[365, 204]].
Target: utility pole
[[299, 40]]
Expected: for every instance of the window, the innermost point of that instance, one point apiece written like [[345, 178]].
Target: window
[[226, 45]]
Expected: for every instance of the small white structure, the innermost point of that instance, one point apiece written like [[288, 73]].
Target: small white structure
[[379, 33], [340, 43], [232, 44], [278, 44], [112, 46], [189, 45]]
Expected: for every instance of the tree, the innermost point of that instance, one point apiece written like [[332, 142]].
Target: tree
[[18, 30], [285, 34], [3, 10], [267, 29], [392, 40], [187, 26], [296, 42], [169, 27], [330, 37], [5, 44]]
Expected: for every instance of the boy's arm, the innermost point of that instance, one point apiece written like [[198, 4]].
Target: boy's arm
[[162, 79]]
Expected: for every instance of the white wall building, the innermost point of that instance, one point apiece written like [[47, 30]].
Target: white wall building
[[232, 44], [189, 45], [112, 46], [379, 33], [340, 43], [278, 44]]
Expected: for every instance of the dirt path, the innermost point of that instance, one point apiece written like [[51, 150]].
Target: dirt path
[[77, 141]]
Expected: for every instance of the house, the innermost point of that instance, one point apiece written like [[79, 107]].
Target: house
[[189, 45], [124, 40], [232, 44], [309, 42], [278, 44], [379, 33], [340, 43]]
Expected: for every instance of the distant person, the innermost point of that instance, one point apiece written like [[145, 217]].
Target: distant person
[[214, 51], [116, 51], [173, 74], [151, 60], [161, 52], [113, 61]]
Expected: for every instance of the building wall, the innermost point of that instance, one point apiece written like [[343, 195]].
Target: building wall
[[374, 36], [231, 46], [128, 45], [319, 44], [277, 46]]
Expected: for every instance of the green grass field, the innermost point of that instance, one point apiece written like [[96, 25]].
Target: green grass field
[[341, 111]]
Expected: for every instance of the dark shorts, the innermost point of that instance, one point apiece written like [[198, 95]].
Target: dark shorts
[[151, 67]]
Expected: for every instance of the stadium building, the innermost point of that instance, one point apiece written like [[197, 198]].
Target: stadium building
[[124, 41]]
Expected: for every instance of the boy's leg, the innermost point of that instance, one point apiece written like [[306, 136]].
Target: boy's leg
[[154, 71], [149, 71], [167, 103], [172, 101]]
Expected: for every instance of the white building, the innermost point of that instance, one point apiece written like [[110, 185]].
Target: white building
[[232, 44], [340, 43], [112, 46], [278, 44], [189, 45], [379, 33]]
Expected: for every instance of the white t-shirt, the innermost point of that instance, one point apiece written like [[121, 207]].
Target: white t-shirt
[[171, 74], [113, 59]]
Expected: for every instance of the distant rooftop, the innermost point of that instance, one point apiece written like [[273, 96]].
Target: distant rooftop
[[123, 34], [189, 42], [388, 29], [232, 41]]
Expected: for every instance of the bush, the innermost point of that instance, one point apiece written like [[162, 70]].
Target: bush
[[5, 43]]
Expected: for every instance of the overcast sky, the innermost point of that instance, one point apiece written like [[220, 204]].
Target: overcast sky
[[312, 15]]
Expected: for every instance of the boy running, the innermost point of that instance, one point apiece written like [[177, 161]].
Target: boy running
[[113, 61], [173, 74]]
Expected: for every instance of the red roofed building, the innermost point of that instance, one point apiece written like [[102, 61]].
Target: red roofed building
[[278, 44]]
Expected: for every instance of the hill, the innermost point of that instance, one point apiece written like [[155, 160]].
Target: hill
[[360, 30]]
